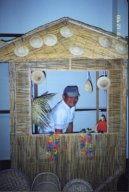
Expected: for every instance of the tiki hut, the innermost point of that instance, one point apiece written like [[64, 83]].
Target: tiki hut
[[68, 44]]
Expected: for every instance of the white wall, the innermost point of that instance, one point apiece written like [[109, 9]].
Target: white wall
[[4, 118]]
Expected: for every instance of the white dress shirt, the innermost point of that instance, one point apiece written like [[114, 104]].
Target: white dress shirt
[[60, 117]]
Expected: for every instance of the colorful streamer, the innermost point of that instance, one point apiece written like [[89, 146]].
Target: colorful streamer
[[53, 146], [86, 145]]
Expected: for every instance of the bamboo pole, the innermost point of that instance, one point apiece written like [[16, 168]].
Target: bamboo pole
[[97, 98]]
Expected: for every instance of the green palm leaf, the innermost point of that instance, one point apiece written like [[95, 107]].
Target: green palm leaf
[[41, 109]]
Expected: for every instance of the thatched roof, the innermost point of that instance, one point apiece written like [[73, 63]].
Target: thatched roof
[[85, 36]]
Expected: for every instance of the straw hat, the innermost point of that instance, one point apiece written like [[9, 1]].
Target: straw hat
[[50, 40], [66, 32], [38, 76], [36, 42], [104, 41], [121, 48], [103, 82], [21, 51], [76, 50]]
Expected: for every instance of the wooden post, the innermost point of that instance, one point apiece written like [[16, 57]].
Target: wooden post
[[97, 98]]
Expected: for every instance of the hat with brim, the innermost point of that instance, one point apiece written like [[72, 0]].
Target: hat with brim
[[38, 76], [103, 82], [21, 51], [71, 91]]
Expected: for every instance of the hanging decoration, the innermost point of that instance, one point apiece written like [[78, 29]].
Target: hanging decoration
[[50, 40], [86, 145], [121, 48], [21, 51], [76, 50], [38, 76], [66, 32], [88, 84], [53, 146], [104, 41], [103, 82], [36, 42]]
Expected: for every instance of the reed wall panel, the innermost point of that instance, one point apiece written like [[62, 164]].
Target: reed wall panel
[[85, 36], [32, 157], [29, 152], [22, 101], [12, 82]]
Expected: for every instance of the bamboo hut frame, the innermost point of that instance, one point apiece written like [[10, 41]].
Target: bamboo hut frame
[[29, 152]]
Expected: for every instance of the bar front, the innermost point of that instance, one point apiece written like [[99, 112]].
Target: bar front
[[93, 157]]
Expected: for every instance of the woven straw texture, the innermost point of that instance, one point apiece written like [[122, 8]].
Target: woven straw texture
[[31, 150], [77, 185], [46, 181], [85, 36], [13, 180]]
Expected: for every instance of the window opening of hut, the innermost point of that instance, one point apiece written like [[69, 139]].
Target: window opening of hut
[[46, 91]]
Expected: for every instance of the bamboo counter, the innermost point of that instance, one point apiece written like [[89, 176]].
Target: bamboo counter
[[30, 153]]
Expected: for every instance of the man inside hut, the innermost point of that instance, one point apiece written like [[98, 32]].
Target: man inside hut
[[62, 115]]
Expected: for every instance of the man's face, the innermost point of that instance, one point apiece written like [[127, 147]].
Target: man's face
[[70, 101]]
